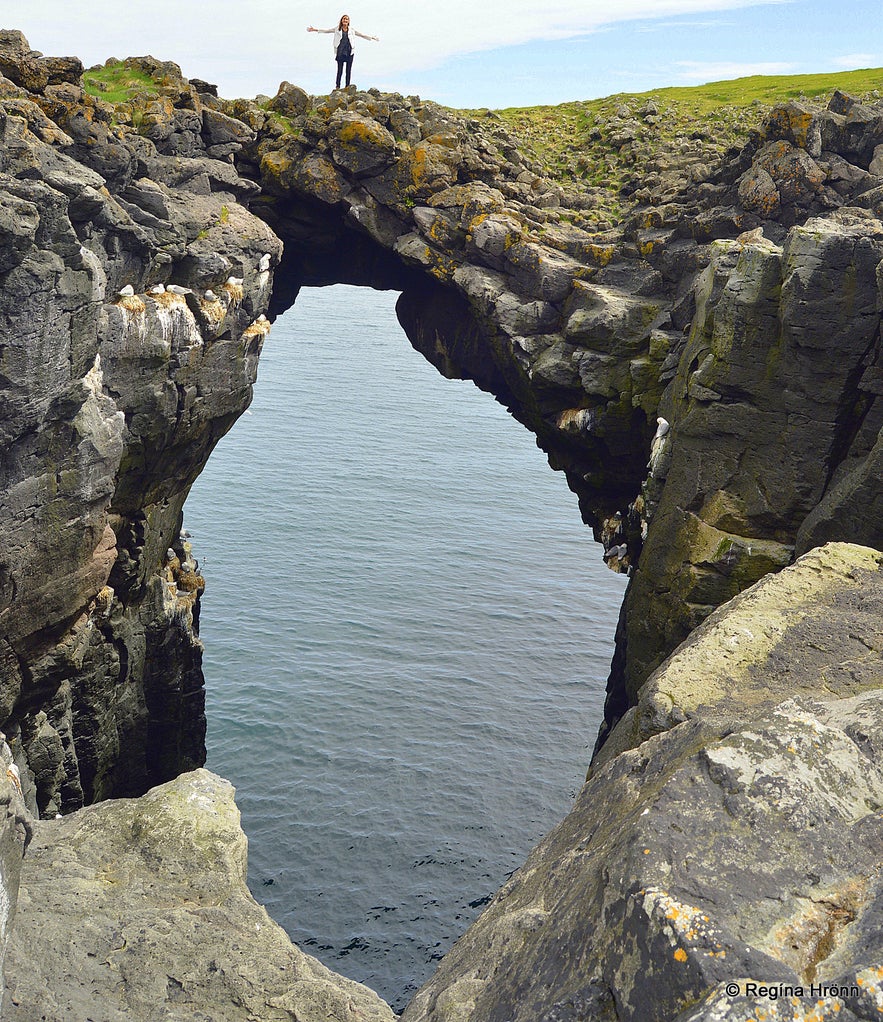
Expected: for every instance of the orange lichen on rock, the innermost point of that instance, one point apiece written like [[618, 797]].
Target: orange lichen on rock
[[131, 303]]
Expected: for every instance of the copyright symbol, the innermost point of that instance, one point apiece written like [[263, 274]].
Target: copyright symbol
[[732, 989]]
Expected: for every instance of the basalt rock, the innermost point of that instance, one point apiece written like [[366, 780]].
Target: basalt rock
[[138, 909], [114, 390], [726, 843], [745, 311], [741, 309]]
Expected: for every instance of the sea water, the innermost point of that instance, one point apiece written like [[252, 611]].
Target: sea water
[[407, 631]]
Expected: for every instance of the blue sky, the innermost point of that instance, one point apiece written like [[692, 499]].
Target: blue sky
[[471, 53]]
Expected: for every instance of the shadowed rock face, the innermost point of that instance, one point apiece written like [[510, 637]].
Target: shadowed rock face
[[111, 404]]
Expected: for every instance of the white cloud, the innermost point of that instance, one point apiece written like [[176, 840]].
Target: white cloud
[[718, 71], [248, 46], [854, 61], [657, 26]]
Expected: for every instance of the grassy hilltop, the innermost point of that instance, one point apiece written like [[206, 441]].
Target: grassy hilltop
[[621, 144]]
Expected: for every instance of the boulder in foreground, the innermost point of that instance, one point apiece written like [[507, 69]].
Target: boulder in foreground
[[138, 909], [728, 865]]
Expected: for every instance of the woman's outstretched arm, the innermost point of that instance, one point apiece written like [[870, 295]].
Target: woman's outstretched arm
[[311, 29], [361, 35]]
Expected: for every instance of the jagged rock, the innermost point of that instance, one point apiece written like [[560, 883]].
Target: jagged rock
[[16, 828], [221, 130], [739, 844], [154, 891], [811, 629], [290, 100], [762, 328], [360, 144], [758, 192], [798, 123], [109, 411]]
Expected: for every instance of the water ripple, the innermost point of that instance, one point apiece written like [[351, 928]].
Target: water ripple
[[407, 633]]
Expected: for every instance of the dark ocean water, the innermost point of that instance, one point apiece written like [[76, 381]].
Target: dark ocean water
[[407, 633]]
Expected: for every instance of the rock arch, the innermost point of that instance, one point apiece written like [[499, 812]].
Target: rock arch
[[750, 325], [134, 291]]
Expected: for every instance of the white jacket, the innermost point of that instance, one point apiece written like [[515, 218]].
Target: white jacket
[[338, 35]]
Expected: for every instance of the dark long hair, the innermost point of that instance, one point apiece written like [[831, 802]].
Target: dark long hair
[[340, 23]]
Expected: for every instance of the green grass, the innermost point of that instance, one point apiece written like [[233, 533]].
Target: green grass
[[771, 89], [117, 83], [613, 147], [763, 90]]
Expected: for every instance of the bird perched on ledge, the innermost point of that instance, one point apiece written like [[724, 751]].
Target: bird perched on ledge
[[658, 443]]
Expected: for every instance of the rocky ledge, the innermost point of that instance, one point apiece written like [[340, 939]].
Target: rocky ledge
[[727, 842], [138, 909], [707, 374]]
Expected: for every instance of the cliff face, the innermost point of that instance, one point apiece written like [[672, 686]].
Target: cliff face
[[111, 405], [139, 246], [744, 311]]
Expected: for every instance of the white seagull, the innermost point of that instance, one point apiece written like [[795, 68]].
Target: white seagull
[[662, 427]]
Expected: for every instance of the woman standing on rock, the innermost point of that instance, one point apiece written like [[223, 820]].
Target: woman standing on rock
[[343, 47]]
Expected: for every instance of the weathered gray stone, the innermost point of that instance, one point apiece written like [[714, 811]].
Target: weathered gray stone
[[359, 144], [16, 828], [775, 325], [814, 627], [219, 129], [758, 192], [290, 100], [139, 909], [737, 845], [110, 407]]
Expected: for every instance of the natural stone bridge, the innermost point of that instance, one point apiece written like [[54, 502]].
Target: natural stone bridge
[[143, 246]]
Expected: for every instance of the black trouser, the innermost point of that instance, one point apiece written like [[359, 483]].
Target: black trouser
[[349, 68]]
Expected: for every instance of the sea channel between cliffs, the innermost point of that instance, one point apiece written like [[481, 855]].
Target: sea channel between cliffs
[[705, 372]]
